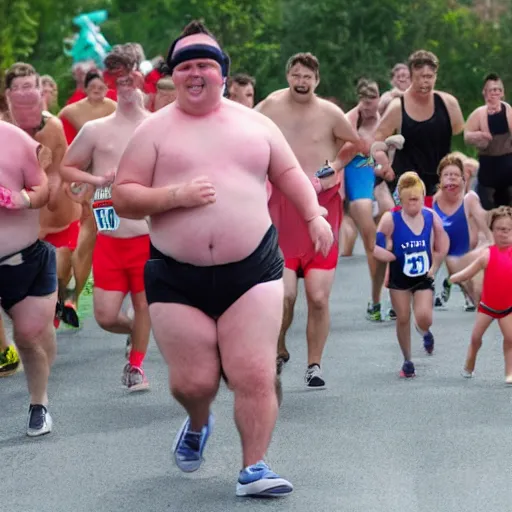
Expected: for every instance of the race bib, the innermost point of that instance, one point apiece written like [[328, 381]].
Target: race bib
[[416, 264], [106, 218], [104, 213]]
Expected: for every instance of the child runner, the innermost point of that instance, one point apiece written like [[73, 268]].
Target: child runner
[[412, 240], [496, 300]]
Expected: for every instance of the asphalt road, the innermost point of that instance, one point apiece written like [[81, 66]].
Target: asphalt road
[[369, 442]]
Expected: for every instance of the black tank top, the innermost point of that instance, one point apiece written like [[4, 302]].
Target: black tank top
[[496, 159], [426, 143]]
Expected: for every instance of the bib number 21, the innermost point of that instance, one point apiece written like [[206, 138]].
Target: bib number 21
[[416, 264]]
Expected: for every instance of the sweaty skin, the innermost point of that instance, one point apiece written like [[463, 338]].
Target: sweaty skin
[[84, 110], [327, 128], [98, 148], [200, 236], [20, 168], [61, 210]]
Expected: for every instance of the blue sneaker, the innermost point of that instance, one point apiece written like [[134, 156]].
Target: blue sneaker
[[428, 342], [188, 447], [408, 371], [259, 480]]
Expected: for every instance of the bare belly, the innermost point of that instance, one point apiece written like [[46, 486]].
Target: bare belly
[[18, 230], [54, 221], [128, 228], [209, 235]]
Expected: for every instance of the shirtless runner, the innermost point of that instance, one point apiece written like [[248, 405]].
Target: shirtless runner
[[214, 280], [315, 129], [73, 117], [60, 219], [28, 283], [122, 244]]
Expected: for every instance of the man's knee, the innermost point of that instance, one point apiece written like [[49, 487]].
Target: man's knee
[[194, 386], [253, 379], [318, 297], [30, 332], [105, 318]]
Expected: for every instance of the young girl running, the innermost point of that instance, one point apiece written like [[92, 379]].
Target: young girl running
[[496, 300], [412, 240]]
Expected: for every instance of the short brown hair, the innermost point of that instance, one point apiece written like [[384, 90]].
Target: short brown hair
[[241, 79], [308, 60], [500, 213], [123, 55], [47, 79], [19, 69], [451, 159], [397, 68], [367, 89], [422, 58]]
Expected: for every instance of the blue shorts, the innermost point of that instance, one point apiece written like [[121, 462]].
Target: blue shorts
[[359, 179], [31, 272]]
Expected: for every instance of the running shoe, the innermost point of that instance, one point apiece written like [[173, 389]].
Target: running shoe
[[373, 312], [508, 380], [69, 315], [314, 377], [9, 361], [408, 370], [428, 342], [447, 289], [468, 304], [188, 447], [134, 378], [39, 421], [467, 374], [438, 303], [391, 314], [260, 481]]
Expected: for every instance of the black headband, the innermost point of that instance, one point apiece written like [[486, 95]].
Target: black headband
[[198, 51]]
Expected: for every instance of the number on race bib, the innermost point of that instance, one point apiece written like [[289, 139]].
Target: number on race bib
[[416, 264], [106, 218]]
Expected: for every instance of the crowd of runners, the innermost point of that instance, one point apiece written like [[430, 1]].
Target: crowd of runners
[[206, 210]]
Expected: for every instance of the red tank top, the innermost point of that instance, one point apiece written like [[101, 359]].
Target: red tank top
[[497, 287]]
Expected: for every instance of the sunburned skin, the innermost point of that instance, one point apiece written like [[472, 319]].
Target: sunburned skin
[[98, 148], [208, 235], [61, 210], [84, 111], [20, 169], [327, 128]]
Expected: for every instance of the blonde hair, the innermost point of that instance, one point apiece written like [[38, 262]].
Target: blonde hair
[[502, 212], [408, 180]]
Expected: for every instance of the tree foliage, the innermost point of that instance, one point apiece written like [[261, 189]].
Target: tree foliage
[[351, 38]]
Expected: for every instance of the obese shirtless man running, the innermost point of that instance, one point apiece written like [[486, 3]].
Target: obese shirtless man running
[[315, 129], [214, 280], [28, 281], [60, 219], [122, 244]]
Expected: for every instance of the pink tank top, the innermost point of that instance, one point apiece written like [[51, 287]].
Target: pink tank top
[[497, 286]]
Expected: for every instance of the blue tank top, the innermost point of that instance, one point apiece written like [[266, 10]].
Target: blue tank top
[[413, 252], [456, 226]]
